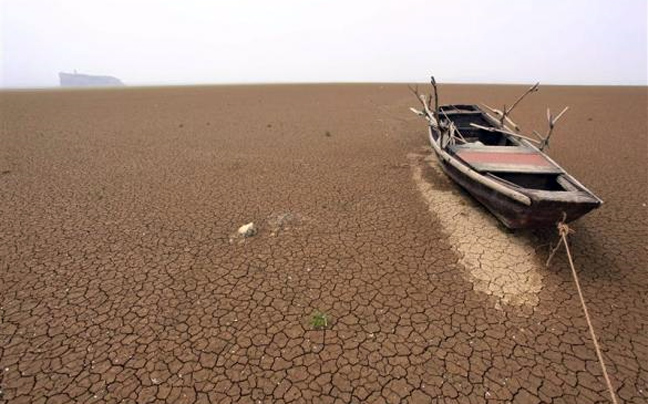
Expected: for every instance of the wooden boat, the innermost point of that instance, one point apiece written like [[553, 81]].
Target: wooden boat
[[504, 170]]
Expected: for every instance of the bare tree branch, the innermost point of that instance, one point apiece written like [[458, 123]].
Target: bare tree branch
[[552, 124], [426, 110], [493, 110], [436, 98], [417, 112], [503, 130], [533, 89], [416, 93], [500, 114], [503, 115], [559, 115]]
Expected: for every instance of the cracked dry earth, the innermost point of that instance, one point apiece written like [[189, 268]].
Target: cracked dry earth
[[119, 281], [497, 262]]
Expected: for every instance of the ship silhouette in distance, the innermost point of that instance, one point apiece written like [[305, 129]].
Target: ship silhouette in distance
[[87, 80]]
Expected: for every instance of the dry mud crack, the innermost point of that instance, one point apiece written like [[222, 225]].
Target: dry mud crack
[[497, 262], [118, 283]]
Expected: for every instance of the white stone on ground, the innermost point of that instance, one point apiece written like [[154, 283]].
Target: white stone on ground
[[247, 230]]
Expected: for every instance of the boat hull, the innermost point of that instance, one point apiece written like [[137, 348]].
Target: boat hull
[[543, 212]]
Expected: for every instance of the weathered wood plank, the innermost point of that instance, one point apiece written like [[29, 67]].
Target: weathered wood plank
[[482, 160], [475, 176], [480, 148]]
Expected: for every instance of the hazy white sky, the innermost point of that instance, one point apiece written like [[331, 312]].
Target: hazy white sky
[[242, 41]]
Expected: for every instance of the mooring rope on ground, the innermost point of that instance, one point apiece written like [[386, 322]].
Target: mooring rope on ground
[[564, 231]]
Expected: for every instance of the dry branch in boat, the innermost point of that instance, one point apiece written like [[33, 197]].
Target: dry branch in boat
[[552, 124]]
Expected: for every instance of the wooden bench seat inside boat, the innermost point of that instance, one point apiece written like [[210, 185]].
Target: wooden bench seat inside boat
[[511, 159]]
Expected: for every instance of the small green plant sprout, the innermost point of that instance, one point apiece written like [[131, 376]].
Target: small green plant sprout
[[319, 320]]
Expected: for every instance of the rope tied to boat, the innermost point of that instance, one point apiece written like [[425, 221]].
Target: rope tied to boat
[[564, 231]]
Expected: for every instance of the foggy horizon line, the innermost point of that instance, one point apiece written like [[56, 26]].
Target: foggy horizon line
[[271, 83]]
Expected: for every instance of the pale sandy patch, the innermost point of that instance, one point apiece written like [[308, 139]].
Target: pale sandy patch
[[497, 262]]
